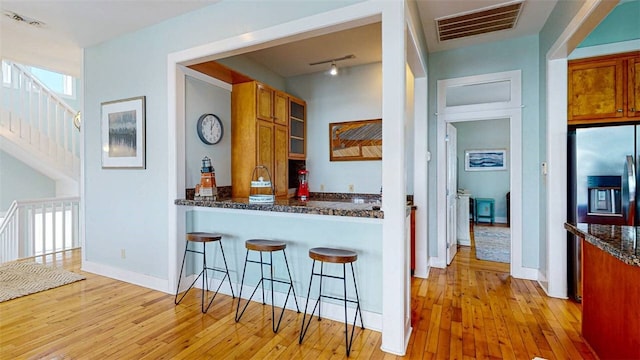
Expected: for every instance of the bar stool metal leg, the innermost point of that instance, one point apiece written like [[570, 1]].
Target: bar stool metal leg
[[303, 329], [358, 309], [266, 245], [336, 256], [184, 258], [205, 283], [349, 340], [291, 287], [203, 238], [226, 272]]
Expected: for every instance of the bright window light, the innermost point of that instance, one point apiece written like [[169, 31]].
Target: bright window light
[[6, 73]]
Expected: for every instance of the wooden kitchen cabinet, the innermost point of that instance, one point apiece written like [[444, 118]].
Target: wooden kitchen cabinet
[[280, 159], [280, 108], [634, 86], [603, 89], [271, 104], [259, 136]]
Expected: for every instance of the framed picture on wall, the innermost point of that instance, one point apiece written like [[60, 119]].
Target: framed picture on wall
[[485, 160], [123, 133], [355, 140]]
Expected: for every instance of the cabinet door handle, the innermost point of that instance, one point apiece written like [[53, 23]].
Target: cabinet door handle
[[619, 110], [632, 109]]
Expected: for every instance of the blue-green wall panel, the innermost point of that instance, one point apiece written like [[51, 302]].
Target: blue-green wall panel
[[622, 24], [516, 54]]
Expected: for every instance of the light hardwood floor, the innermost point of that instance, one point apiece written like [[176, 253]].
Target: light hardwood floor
[[472, 309]]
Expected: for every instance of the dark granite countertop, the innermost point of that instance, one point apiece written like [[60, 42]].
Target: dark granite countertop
[[333, 207], [619, 241]]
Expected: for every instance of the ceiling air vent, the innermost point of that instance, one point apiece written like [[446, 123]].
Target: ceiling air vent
[[501, 17]]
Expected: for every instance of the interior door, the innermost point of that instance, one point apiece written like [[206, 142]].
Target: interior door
[[452, 191]]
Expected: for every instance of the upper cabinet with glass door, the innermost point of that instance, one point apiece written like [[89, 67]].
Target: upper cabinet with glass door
[[297, 128]]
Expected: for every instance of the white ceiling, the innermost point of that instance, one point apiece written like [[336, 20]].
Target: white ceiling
[[72, 25]]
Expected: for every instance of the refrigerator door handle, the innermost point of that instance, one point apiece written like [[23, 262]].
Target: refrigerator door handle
[[629, 192]]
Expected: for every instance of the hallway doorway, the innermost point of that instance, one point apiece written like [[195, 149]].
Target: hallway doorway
[[469, 106]]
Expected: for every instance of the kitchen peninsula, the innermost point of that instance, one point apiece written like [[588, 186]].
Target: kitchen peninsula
[[294, 206], [339, 223], [611, 289]]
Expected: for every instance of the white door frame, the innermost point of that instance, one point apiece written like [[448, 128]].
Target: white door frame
[[553, 273], [499, 110], [451, 139], [395, 317]]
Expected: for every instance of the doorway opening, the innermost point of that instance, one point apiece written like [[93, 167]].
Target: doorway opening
[[473, 100], [482, 189]]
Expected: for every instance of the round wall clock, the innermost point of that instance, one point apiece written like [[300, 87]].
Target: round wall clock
[[209, 129]]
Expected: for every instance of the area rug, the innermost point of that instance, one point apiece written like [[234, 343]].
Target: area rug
[[23, 278], [492, 243]]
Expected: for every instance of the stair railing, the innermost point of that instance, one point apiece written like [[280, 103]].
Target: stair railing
[[38, 119], [40, 227]]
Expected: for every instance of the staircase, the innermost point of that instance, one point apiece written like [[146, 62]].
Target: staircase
[[37, 126], [39, 227]]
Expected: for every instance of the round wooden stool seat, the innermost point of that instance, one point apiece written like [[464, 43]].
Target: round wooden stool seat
[[330, 255], [264, 245], [203, 237]]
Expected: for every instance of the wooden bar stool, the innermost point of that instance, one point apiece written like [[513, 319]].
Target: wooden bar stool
[[334, 256], [204, 238], [269, 246]]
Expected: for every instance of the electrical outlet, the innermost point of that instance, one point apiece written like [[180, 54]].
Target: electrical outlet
[[123, 254], [321, 187], [351, 189]]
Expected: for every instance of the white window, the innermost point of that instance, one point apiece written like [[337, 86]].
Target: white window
[[62, 84], [6, 74], [68, 86]]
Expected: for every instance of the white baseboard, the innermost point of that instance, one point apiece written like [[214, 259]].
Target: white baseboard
[[406, 344], [437, 262], [332, 311], [525, 273], [464, 242], [371, 320], [127, 276], [422, 273]]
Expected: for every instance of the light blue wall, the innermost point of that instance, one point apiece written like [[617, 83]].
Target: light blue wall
[[516, 54], [481, 135], [125, 208], [18, 181], [622, 24], [356, 94], [204, 98]]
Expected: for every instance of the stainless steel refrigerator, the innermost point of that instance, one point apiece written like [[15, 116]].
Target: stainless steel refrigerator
[[601, 188]]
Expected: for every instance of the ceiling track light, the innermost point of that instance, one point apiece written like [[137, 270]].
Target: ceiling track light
[[333, 70], [23, 19]]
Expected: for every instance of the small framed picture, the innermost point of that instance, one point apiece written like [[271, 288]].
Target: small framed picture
[[485, 160], [123, 133]]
